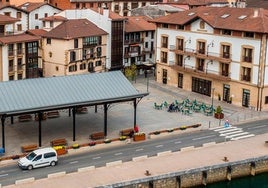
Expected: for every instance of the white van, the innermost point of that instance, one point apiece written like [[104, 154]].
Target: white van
[[39, 158]]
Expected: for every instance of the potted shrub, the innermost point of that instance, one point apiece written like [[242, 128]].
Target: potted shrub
[[183, 127], [218, 113], [122, 138]]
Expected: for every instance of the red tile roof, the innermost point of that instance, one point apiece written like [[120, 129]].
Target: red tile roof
[[112, 15], [30, 6], [199, 2], [75, 28], [7, 19], [18, 38], [240, 19], [138, 23], [37, 32], [54, 18]]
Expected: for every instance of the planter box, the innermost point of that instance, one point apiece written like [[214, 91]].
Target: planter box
[[139, 137], [219, 116], [61, 151]]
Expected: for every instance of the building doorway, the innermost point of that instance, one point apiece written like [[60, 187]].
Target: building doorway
[[164, 76], [201, 86]]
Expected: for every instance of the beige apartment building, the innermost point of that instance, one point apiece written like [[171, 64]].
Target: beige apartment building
[[75, 46], [217, 52]]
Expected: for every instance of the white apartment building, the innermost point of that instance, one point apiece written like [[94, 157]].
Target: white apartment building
[[217, 52]]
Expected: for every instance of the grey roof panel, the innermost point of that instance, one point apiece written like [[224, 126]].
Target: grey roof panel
[[50, 93]]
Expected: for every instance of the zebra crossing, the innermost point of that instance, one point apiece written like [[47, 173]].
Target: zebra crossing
[[232, 133]]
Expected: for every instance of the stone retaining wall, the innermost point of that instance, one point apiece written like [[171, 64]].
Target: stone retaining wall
[[201, 176]]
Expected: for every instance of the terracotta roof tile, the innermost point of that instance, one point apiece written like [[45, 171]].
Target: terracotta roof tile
[[199, 2], [7, 19], [138, 23], [257, 3], [37, 32], [240, 19], [18, 38], [54, 18], [75, 28], [30, 6]]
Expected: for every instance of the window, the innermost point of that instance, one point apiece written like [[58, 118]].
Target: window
[[11, 77], [164, 42], [11, 49], [266, 99], [99, 52], [45, 15], [246, 72], [57, 68], [201, 47], [48, 40], [89, 41], [202, 25], [146, 33], [75, 43], [247, 55], [19, 48], [200, 64], [180, 27], [18, 14], [152, 35], [50, 154], [134, 5], [19, 27], [10, 65], [19, 76], [249, 34], [97, 63], [179, 60], [38, 157], [73, 68], [51, 24], [224, 69], [146, 44], [83, 66], [164, 57], [226, 51], [180, 43], [36, 16], [7, 13], [72, 56], [164, 25], [19, 64], [226, 32]]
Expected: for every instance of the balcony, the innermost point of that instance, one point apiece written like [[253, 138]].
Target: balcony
[[198, 71], [210, 56], [11, 53], [10, 68], [148, 50], [131, 41], [247, 59]]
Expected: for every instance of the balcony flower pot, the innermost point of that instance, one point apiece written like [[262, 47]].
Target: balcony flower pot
[[139, 136], [107, 141]]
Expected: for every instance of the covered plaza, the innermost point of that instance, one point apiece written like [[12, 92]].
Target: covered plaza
[[37, 96]]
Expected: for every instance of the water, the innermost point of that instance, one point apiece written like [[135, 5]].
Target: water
[[257, 181]]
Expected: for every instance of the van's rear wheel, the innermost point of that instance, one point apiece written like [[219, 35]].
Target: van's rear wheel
[[53, 163], [30, 167]]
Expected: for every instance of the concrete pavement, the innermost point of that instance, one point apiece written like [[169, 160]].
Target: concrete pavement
[[148, 119]]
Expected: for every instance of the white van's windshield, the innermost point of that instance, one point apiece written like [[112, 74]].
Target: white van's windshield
[[31, 156]]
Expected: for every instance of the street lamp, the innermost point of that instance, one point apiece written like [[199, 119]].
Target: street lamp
[[212, 97]]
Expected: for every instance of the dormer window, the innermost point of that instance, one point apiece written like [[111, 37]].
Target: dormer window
[[164, 25], [202, 24], [226, 32]]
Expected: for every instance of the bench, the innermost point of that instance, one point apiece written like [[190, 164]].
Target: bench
[[126, 132], [58, 142], [28, 148], [97, 135], [25, 117], [82, 110], [53, 114]]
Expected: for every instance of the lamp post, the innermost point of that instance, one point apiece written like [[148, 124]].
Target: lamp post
[[147, 81], [212, 97]]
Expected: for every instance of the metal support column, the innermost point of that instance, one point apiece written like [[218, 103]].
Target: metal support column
[[105, 118], [74, 123], [3, 118], [135, 111], [40, 116]]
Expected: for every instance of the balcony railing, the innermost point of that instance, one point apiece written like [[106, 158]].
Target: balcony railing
[[247, 59], [131, 41], [246, 78], [200, 72], [10, 68], [11, 53]]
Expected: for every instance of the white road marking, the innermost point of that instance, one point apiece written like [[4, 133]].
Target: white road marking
[[226, 134], [257, 127], [141, 149], [3, 175], [73, 162], [241, 137], [159, 146], [118, 153], [239, 134], [178, 142], [200, 138], [96, 158]]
